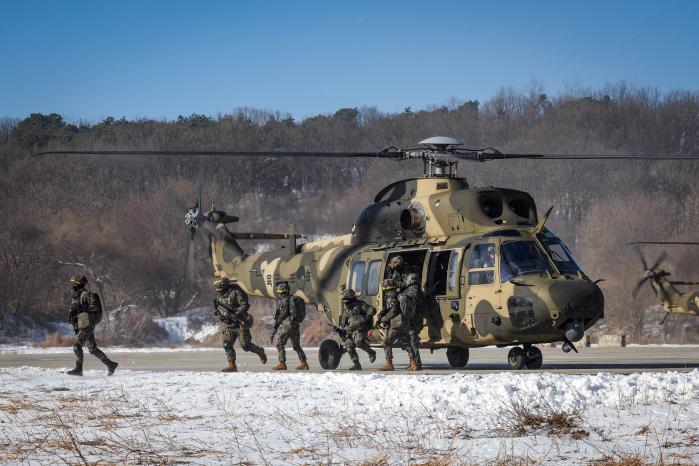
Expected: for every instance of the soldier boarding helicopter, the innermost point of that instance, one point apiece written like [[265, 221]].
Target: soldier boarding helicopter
[[672, 299], [493, 273]]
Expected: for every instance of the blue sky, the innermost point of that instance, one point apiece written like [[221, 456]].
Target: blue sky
[[158, 59]]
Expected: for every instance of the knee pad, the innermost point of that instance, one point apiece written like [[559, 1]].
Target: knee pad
[[227, 345], [92, 349], [77, 348]]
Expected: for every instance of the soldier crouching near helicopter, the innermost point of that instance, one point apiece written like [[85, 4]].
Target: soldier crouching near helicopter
[[395, 320], [355, 322], [291, 310], [412, 298], [85, 314], [231, 306]]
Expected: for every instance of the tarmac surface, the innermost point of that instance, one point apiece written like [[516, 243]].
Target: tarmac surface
[[482, 360]]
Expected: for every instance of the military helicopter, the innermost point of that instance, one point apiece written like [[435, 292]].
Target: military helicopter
[[672, 300], [493, 273]]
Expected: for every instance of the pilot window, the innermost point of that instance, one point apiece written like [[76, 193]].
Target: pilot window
[[373, 278], [357, 277], [482, 257]]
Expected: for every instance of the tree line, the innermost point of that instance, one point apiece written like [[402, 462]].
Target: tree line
[[119, 220]]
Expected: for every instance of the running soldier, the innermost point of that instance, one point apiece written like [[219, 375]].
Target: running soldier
[[355, 322], [412, 298], [395, 320], [85, 314], [291, 310], [231, 307]]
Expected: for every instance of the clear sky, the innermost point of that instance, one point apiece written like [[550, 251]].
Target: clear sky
[[91, 59]]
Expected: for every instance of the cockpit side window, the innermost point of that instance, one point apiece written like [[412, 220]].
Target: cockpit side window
[[482, 264]]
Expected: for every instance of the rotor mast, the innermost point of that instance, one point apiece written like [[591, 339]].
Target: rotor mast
[[439, 167]]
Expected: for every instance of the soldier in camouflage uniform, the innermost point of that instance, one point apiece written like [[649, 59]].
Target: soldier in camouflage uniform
[[398, 271], [291, 310], [355, 322], [231, 306], [413, 298], [395, 320], [85, 314]]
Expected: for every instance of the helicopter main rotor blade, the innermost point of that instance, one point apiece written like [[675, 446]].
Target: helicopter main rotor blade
[[687, 243], [385, 154], [254, 236], [492, 154]]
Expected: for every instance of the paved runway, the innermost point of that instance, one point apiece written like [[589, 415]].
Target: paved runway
[[482, 360]]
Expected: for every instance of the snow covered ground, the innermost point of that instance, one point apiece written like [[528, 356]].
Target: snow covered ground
[[340, 418]]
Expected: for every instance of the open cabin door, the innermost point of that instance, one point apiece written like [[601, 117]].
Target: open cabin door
[[442, 286]]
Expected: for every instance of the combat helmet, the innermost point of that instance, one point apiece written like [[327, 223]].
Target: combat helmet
[[396, 262], [78, 281], [283, 289], [222, 283], [348, 294]]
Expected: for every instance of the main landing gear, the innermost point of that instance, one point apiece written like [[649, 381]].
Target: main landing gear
[[529, 357]]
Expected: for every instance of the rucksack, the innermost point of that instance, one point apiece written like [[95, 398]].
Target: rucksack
[[94, 308], [298, 309]]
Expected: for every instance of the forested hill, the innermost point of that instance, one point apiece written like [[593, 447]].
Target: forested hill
[[113, 218]]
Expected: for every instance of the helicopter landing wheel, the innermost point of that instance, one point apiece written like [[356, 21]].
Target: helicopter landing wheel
[[457, 357], [329, 354], [534, 358], [517, 358]]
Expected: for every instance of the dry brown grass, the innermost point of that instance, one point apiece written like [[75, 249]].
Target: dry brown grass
[[518, 418], [56, 339]]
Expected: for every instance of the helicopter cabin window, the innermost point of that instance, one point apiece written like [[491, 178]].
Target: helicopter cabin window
[[483, 258], [357, 277], [373, 278], [453, 275]]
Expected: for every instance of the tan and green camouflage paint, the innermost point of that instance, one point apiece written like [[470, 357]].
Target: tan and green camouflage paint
[[453, 220]]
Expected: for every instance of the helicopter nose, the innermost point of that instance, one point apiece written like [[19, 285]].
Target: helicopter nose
[[578, 303]]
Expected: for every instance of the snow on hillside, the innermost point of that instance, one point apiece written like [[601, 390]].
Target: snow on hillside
[[193, 325], [339, 418]]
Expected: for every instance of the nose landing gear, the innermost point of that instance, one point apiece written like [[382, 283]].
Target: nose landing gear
[[529, 357]]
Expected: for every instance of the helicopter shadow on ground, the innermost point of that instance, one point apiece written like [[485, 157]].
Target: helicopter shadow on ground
[[568, 366]]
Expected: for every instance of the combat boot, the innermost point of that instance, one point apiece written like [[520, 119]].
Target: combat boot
[[231, 366], [302, 367], [262, 356], [111, 367], [356, 366], [372, 356], [413, 366], [281, 366], [77, 371], [388, 366]]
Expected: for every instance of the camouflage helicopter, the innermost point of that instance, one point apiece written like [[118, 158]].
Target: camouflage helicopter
[[672, 300], [493, 273]]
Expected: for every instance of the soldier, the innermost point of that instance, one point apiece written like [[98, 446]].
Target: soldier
[[291, 310], [413, 298], [397, 271], [395, 320], [355, 322], [85, 314], [231, 306]]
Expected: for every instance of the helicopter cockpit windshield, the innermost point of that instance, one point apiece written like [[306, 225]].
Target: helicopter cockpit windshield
[[562, 258], [518, 258]]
